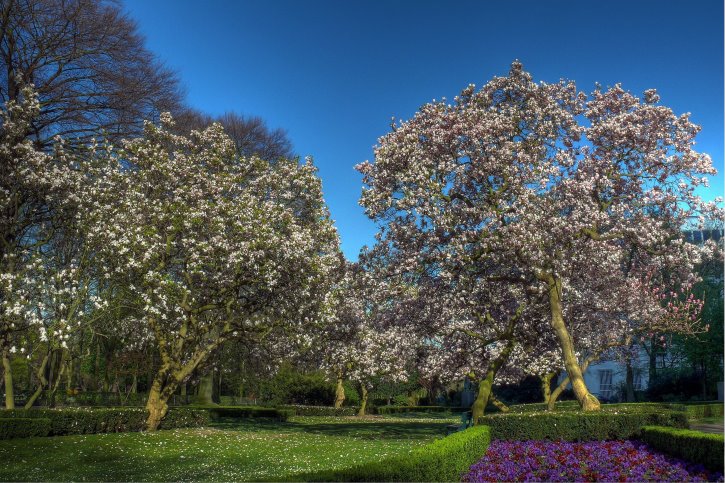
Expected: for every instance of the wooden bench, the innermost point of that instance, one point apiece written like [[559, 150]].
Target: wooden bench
[[466, 422]]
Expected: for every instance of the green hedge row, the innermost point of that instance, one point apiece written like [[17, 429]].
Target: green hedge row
[[417, 409], [24, 427], [697, 411], [320, 410], [693, 446], [580, 426], [107, 420], [693, 410], [245, 412], [445, 459]]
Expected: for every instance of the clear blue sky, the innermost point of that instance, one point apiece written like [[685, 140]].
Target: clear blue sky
[[333, 73]]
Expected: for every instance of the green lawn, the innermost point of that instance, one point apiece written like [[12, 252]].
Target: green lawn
[[224, 452]]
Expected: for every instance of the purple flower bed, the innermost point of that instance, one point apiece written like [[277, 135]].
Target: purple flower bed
[[592, 461]]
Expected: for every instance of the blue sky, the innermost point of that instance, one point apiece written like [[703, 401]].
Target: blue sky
[[333, 73]]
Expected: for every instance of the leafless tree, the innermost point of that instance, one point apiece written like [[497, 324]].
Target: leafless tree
[[250, 133], [88, 64]]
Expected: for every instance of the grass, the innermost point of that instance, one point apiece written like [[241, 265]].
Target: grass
[[226, 451]]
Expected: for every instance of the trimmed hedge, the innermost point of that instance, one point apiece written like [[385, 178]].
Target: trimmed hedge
[[245, 412], [697, 411], [417, 409], [579, 426], [693, 410], [445, 459], [320, 410], [24, 427], [107, 420], [694, 446]]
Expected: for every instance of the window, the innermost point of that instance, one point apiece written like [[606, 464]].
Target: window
[[605, 384]]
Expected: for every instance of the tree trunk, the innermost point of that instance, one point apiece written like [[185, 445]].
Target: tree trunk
[[486, 384], [219, 387], [157, 405], [55, 384], [363, 400], [587, 401], [42, 382], [652, 360], [499, 404], [134, 382], [8, 377], [565, 382], [546, 385], [478, 408], [629, 383], [339, 392], [206, 390], [551, 403]]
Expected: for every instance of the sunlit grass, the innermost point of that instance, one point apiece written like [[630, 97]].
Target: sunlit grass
[[224, 452]]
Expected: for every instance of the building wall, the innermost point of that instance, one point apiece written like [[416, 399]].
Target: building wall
[[605, 379]]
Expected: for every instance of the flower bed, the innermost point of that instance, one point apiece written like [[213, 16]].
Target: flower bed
[[590, 461]]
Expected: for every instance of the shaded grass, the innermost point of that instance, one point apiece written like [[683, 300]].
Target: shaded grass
[[226, 451]]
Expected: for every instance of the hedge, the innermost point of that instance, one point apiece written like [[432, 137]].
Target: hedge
[[694, 446], [24, 427], [417, 409], [445, 459], [579, 426], [320, 410], [697, 411], [107, 420], [245, 412], [693, 410]]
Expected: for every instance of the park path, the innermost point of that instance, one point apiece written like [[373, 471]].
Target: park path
[[716, 428]]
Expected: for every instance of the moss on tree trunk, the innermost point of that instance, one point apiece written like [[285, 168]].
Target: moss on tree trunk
[[546, 386], [339, 392], [363, 400], [485, 385], [206, 390], [8, 378], [587, 401], [156, 405]]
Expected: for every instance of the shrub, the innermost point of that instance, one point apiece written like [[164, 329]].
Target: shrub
[[321, 410], [694, 446], [578, 426], [537, 407], [246, 412], [697, 411], [528, 390], [106, 420], [291, 386], [184, 418], [24, 427], [677, 385], [417, 409], [445, 459], [693, 410]]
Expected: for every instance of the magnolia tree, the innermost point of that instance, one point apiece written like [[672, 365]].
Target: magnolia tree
[[213, 245], [43, 283], [360, 344], [568, 188]]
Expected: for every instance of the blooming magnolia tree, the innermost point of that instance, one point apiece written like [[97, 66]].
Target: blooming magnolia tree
[[360, 344], [42, 284], [571, 190], [213, 245]]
